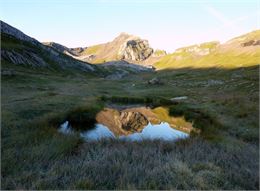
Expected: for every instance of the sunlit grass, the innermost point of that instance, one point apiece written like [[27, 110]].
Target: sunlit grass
[[226, 60]]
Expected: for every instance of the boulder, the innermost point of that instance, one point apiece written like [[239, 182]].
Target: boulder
[[155, 81], [179, 99]]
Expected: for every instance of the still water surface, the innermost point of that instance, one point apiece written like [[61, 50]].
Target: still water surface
[[134, 123]]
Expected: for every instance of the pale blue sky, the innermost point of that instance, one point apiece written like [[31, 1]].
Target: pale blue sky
[[166, 24]]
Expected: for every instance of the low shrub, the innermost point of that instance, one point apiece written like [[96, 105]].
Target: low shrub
[[82, 118]]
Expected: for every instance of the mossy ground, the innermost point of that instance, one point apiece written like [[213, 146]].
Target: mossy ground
[[36, 156]]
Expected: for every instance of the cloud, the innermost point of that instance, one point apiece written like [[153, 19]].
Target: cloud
[[230, 24], [220, 17]]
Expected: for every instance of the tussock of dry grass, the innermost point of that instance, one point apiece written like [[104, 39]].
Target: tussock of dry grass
[[188, 164]]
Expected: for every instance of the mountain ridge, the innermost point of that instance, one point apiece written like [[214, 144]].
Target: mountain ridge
[[240, 51], [125, 46], [187, 56], [20, 49]]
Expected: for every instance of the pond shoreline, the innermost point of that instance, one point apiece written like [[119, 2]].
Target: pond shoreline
[[133, 121]]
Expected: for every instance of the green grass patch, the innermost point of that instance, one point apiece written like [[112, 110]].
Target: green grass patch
[[91, 50], [202, 120], [83, 118]]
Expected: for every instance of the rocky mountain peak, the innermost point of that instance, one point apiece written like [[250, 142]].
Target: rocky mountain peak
[[123, 37], [134, 49], [124, 47], [124, 34]]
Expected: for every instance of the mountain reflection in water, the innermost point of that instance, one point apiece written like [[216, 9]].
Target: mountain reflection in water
[[135, 124], [160, 131]]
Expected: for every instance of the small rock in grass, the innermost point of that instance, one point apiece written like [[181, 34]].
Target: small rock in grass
[[178, 99]]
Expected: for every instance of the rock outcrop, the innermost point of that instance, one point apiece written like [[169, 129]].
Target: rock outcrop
[[77, 51], [155, 81], [24, 58], [135, 50], [251, 43], [247, 42]]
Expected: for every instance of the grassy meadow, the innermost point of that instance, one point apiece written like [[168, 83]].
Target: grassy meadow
[[223, 103]]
